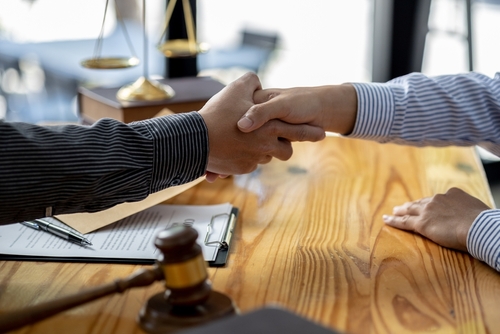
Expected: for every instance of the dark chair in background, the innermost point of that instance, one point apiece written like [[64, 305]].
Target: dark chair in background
[[253, 53]]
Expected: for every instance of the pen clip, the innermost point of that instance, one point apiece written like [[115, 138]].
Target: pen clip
[[31, 224]]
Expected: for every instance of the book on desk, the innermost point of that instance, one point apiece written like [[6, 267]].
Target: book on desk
[[191, 94], [272, 319]]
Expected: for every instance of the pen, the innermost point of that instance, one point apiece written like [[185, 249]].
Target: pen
[[39, 224]]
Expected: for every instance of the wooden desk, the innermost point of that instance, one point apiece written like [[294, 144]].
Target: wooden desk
[[310, 237]]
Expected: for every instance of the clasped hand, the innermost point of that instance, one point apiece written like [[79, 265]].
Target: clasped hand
[[234, 152]]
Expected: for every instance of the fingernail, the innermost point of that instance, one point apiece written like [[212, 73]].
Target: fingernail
[[396, 208], [245, 123], [387, 218]]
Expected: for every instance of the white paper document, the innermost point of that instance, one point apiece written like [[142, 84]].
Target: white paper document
[[126, 240]]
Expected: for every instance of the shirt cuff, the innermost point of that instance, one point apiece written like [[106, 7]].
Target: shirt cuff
[[180, 149], [375, 113], [483, 239]]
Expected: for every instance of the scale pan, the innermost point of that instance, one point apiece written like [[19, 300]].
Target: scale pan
[[178, 48], [110, 63]]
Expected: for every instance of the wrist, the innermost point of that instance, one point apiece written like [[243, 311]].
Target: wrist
[[341, 109], [462, 234]]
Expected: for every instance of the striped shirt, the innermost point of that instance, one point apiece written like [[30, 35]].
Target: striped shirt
[[462, 110], [48, 170]]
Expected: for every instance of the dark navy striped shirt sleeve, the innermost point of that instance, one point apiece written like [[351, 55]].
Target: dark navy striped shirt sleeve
[[48, 170], [446, 110]]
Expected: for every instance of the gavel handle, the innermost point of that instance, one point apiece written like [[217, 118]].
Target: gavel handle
[[19, 318]]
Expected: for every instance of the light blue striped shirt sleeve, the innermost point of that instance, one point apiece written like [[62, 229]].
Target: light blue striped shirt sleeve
[[483, 239], [49, 170], [462, 110]]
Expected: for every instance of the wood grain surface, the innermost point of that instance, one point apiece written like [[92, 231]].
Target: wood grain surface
[[310, 237]]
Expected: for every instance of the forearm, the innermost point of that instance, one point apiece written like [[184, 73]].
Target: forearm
[[336, 108], [57, 170], [418, 110], [483, 239]]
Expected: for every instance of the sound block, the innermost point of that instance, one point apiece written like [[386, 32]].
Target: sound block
[[159, 316]]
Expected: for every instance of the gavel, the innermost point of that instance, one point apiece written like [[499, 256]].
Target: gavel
[[188, 299]]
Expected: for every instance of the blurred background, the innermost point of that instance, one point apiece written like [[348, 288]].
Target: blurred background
[[288, 43], [295, 44]]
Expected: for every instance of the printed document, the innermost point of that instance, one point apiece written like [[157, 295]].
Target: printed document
[[130, 238]]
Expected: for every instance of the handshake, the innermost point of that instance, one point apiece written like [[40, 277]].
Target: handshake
[[248, 126]]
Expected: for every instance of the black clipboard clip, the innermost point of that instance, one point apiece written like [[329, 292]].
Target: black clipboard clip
[[224, 243]]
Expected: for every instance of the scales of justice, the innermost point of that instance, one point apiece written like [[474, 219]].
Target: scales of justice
[[144, 89]]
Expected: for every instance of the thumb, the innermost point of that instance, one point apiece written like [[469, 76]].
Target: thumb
[[266, 107], [257, 116]]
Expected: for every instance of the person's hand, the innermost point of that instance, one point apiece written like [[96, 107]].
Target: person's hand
[[235, 152], [212, 177], [443, 218], [333, 108]]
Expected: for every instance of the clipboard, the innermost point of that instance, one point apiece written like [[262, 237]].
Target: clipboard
[[202, 217]]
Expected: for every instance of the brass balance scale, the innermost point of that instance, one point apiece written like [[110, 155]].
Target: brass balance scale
[[144, 89]]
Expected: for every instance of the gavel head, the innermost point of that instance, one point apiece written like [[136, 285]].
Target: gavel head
[[183, 265]]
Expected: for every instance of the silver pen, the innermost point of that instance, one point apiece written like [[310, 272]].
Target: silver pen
[[40, 224]]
